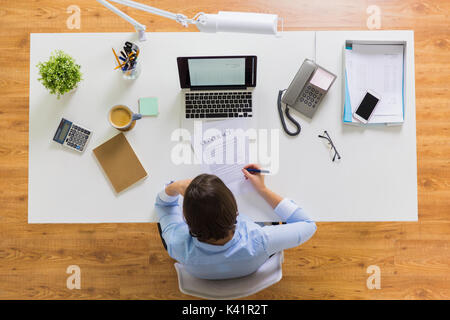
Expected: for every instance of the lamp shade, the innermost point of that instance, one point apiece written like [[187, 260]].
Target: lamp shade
[[245, 22]]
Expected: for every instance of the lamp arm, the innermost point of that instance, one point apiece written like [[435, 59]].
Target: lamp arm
[[180, 18], [223, 21], [138, 26]]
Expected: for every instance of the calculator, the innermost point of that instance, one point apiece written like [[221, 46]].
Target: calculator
[[72, 135]]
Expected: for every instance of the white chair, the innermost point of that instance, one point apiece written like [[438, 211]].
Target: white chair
[[268, 274]]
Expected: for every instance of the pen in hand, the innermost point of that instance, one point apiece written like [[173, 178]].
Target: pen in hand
[[251, 170]]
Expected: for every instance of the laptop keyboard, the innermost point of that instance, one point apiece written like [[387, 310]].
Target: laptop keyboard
[[218, 104]]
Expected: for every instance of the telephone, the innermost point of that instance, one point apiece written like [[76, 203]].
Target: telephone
[[305, 92]]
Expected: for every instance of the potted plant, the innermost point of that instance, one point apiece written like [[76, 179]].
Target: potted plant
[[60, 74]]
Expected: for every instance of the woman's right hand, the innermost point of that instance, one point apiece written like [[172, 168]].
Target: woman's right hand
[[178, 187], [257, 179]]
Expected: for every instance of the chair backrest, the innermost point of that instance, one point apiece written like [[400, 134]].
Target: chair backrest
[[268, 274]]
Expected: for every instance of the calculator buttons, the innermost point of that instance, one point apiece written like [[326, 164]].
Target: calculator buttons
[[77, 138]]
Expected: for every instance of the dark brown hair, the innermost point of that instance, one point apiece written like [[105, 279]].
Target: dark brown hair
[[209, 208]]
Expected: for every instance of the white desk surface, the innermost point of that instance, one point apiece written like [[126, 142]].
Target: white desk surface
[[67, 187]]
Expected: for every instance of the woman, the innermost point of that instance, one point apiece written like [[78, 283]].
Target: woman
[[215, 241]]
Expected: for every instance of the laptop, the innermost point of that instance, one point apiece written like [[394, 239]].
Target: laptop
[[216, 87]]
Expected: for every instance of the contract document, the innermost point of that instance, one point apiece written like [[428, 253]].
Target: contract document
[[223, 148]]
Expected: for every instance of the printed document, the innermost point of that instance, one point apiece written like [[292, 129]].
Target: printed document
[[378, 68], [224, 150]]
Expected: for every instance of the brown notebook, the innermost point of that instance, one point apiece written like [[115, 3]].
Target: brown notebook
[[119, 162]]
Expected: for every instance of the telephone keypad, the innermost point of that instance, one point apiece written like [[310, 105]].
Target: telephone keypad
[[310, 96]]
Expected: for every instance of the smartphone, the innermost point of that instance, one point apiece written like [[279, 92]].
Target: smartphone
[[367, 106]]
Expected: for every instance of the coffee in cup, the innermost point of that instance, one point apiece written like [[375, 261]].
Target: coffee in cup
[[122, 118]]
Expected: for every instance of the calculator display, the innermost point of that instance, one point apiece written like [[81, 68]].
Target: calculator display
[[64, 131]]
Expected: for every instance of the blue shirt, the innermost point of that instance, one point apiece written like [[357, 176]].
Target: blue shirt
[[249, 248]]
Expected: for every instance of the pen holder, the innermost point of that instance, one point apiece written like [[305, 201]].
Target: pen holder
[[132, 73], [131, 68]]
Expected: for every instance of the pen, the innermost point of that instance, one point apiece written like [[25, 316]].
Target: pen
[[115, 55], [257, 171], [120, 66]]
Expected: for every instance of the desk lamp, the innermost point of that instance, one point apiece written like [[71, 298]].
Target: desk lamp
[[224, 21]]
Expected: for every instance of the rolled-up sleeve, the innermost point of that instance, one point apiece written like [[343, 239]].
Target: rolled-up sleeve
[[298, 229]]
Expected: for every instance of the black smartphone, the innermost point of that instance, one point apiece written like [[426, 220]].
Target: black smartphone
[[367, 106]]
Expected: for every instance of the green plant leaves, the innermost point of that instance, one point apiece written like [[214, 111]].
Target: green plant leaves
[[60, 73]]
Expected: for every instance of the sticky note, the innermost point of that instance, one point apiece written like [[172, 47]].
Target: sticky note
[[148, 106]]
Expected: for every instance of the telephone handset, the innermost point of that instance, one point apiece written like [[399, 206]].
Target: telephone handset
[[305, 92]]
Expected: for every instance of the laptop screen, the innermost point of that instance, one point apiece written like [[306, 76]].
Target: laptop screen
[[217, 72]]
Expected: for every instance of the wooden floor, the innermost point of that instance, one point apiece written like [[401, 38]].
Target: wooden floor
[[127, 261]]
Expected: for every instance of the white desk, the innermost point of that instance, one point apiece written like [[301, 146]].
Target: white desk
[[67, 187]]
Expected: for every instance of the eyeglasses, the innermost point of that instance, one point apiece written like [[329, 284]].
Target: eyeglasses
[[330, 142]]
